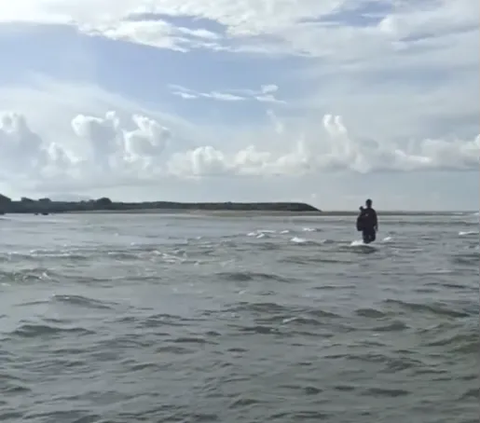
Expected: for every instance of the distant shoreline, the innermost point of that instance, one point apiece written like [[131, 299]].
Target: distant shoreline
[[104, 205], [46, 206]]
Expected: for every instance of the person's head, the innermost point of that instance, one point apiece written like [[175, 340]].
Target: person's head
[[368, 203]]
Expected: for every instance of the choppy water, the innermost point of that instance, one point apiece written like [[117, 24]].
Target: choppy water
[[151, 318]]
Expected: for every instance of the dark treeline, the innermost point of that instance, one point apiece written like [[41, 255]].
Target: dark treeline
[[47, 206]]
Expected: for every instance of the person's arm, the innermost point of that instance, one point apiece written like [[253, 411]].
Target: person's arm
[[375, 220]]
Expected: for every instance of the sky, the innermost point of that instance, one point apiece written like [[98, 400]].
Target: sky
[[328, 102]]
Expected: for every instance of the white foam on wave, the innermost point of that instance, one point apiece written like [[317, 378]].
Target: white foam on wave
[[442, 272], [261, 232], [298, 240], [388, 239], [360, 243], [467, 233], [357, 243]]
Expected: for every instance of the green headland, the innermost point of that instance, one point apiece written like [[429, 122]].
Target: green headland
[[104, 204]]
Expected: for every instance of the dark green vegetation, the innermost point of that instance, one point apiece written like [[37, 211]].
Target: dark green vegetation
[[47, 206]]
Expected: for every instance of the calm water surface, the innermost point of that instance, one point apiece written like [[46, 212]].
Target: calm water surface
[[153, 318]]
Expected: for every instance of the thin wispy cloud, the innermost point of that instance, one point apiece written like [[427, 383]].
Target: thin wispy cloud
[[264, 95]]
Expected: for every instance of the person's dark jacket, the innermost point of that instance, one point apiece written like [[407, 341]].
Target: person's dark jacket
[[367, 219]]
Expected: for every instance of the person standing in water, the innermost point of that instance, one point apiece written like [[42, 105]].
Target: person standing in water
[[367, 222]]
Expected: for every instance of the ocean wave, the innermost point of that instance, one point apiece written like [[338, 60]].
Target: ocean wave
[[246, 276], [275, 318], [469, 258], [27, 275], [371, 313], [163, 319], [309, 260], [81, 301], [458, 343], [385, 392], [38, 330], [261, 233], [307, 229], [468, 233], [434, 308], [443, 225]]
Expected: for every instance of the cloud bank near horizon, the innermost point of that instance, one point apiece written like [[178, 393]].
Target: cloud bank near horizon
[[109, 148]]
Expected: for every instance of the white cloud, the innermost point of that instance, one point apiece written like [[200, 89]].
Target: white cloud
[[278, 125], [292, 26], [20, 147], [104, 150], [264, 95], [109, 146], [215, 95]]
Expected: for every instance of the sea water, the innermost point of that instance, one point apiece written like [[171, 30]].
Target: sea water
[[175, 318]]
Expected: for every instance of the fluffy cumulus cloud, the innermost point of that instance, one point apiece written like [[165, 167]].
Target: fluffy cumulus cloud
[[105, 149]]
